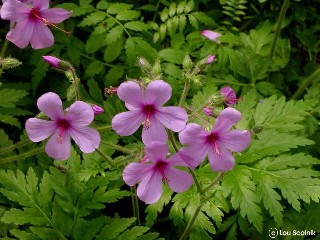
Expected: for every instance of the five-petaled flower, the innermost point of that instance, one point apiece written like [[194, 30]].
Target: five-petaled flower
[[146, 108], [32, 19], [216, 143], [150, 175], [74, 123], [230, 97]]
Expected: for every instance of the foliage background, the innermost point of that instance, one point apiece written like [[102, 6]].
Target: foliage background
[[276, 180]]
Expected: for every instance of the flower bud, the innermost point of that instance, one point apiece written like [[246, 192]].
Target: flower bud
[[211, 35], [9, 62], [210, 59], [57, 63], [208, 111], [187, 63], [97, 109]]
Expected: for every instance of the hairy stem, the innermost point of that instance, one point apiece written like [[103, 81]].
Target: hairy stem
[[13, 147], [135, 205], [22, 155], [305, 83], [117, 147], [203, 200], [184, 92], [107, 158], [282, 15]]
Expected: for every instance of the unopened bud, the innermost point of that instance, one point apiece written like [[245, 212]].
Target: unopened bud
[[97, 109], [187, 63], [208, 111], [9, 62], [156, 70], [57, 63], [145, 65], [110, 91], [210, 59]]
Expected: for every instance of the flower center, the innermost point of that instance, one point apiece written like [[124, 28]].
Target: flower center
[[148, 111], [63, 125], [160, 166], [35, 14], [212, 139]]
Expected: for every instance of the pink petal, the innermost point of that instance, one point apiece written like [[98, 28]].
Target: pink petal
[[178, 180], [156, 132], [236, 140], [192, 133], [174, 118], [14, 10], [176, 160], [135, 172], [38, 129], [55, 15], [150, 188], [41, 4], [194, 155], [51, 105], [156, 151], [211, 34], [221, 162], [130, 92], [80, 114], [88, 139], [42, 36], [158, 92], [127, 123], [226, 119], [59, 150], [21, 34]]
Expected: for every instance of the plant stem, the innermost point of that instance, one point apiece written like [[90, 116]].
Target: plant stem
[[107, 158], [278, 28], [203, 200], [135, 205], [173, 141], [305, 83], [104, 128], [215, 181], [13, 147], [22, 155], [117, 147], [3, 52], [190, 224], [184, 92]]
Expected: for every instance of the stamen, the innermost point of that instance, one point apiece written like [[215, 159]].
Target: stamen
[[149, 111], [160, 166], [34, 13], [63, 126], [212, 139]]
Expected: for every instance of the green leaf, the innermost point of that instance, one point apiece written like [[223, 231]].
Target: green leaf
[[95, 91], [137, 26], [9, 97], [113, 50], [204, 18], [118, 8], [95, 42], [10, 120], [85, 230], [172, 55], [114, 34], [238, 183], [116, 226], [94, 68], [128, 15], [114, 75], [272, 143], [133, 234], [93, 19]]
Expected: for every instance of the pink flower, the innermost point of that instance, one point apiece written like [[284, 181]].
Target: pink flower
[[97, 109], [63, 126], [150, 175], [53, 61], [146, 108], [211, 35], [210, 59], [216, 143], [32, 22], [230, 96]]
